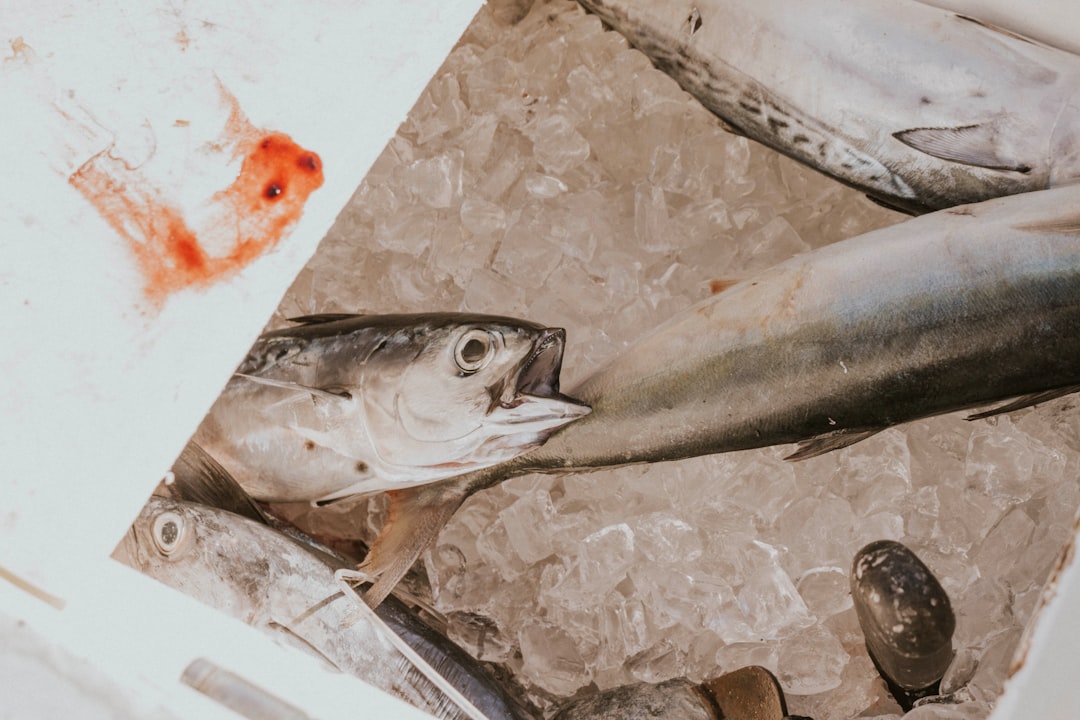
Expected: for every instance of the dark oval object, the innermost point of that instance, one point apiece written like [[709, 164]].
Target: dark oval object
[[905, 614]]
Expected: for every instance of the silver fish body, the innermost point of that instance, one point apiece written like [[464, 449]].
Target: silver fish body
[[958, 309], [921, 108], [345, 404], [288, 590]]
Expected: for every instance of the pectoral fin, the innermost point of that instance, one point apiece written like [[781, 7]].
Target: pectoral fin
[[733, 129], [320, 318], [287, 636], [1025, 401], [974, 145], [334, 393], [415, 517], [913, 209], [827, 443]]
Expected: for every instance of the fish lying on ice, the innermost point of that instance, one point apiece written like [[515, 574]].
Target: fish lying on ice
[[748, 692], [346, 404], [961, 308], [918, 107], [198, 480], [958, 309], [288, 590]]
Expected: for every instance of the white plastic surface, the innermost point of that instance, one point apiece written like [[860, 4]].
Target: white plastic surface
[[101, 382], [103, 375]]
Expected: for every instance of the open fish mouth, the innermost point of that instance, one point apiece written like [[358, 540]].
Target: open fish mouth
[[539, 373]]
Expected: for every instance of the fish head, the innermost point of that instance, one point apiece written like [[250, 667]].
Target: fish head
[[480, 390], [202, 551], [164, 532]]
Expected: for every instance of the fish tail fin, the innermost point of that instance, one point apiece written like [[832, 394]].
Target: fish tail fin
[[415, 517]]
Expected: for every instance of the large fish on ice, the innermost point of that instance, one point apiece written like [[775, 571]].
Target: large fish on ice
[[958, 309], [346, 404], [920, 108]]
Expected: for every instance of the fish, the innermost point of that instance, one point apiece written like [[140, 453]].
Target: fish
[[289, 590], [748, 692], [918, 107], [343, 404], [962, 308]]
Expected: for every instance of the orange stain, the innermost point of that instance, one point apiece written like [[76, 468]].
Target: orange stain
[[246, 219], [718, 286]]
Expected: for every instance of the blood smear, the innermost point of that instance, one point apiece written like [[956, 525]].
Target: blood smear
[[243, 221]]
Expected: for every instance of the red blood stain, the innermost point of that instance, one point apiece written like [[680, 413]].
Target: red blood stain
[[246, 219]]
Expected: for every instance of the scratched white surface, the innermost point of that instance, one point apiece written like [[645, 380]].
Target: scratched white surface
[[99, 389]]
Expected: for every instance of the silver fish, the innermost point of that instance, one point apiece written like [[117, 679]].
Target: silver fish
[[921, 108], [196, 478], [346, 404], [288, 590], [961, 308], [958, 309]]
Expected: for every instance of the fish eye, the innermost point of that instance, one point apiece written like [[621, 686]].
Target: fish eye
[[474, 350], [168, 531]]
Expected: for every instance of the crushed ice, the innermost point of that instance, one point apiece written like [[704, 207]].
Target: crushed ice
[[549, 171]]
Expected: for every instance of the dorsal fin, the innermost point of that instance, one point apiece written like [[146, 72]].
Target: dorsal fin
[[974, 145], [319, 318], [199, 478], [335, 393]]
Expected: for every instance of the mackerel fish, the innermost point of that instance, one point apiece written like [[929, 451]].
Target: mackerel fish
[[962, 308], [921, 108]]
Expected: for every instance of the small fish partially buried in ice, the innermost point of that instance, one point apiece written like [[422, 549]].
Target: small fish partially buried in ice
[[918, 107], [906, 619], [289, 590], [346, 404], [957, 309]]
